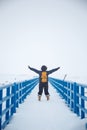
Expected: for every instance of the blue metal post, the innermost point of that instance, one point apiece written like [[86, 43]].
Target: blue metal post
[[77, 100], [7, 103], [64, 91], [20, 93], [71, 97], [82, 103], [17, 95], [75, 97], [68, 93], [13, 100]]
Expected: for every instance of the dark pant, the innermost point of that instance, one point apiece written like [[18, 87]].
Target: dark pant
[[45, 87]]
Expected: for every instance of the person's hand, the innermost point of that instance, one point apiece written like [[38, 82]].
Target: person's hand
[[58, 67], [28, 66]]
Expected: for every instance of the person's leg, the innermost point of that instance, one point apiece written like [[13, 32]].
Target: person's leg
[[46, 91], [40, 92], [40, 89]]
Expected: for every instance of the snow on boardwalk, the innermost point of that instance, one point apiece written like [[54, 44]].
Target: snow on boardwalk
[[45, 115]]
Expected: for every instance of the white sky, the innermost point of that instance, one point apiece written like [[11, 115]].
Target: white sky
[[37, 32]]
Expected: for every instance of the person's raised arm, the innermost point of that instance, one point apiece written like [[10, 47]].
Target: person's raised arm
[[53, 70], [33, 69]]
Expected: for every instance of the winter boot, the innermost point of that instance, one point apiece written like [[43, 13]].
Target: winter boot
[[47, 97], [39, 97]]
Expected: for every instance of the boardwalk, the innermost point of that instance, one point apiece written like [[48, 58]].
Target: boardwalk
[[45, 115]]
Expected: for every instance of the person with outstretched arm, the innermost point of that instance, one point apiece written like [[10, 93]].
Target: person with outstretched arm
[[43, 80]]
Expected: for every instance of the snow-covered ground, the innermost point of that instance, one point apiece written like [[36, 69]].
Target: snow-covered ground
[[11, 78], [45, 115]]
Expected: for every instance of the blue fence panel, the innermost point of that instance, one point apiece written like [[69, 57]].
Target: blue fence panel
[[11, 96], [73, 93]]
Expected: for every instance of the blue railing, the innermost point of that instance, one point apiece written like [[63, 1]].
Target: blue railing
[[11, 96], [74, 95]]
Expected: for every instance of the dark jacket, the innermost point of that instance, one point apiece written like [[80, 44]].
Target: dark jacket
[[39, 72]]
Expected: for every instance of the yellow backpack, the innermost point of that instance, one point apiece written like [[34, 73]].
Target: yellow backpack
[[44, 77]]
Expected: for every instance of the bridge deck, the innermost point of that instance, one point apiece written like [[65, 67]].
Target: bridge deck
[[45, 115]]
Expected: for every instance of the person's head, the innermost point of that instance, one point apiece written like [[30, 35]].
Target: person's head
[[43, 68]]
